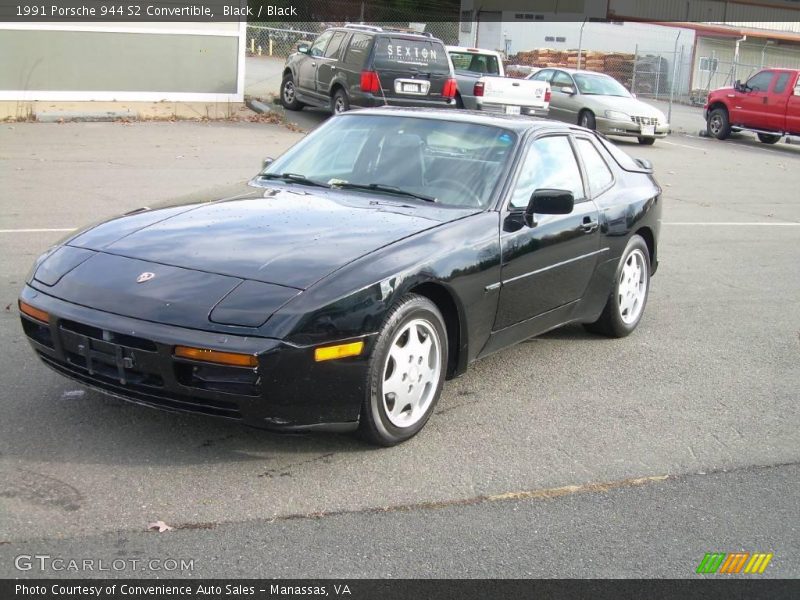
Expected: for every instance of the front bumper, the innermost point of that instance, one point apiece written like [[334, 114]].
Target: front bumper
[[133, 360], [628, 128]]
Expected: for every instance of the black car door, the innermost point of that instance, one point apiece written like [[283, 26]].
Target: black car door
[[326, 66], [307, 69], [548, 263]]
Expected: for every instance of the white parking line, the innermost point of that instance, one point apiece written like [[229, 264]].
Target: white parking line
[[735, 223], [37, 230], [681, 145]]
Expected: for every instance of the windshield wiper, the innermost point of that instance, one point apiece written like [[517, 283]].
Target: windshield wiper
[[293, 178], [381, 187]]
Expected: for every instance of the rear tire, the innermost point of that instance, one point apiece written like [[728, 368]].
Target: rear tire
[[288, 94], [766, 138], [586, 119], [340, 102], [626, 303], [646, 141], [406, 372], [718, 126]]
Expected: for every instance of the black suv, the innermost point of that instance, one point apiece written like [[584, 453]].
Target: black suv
[[361, 65]]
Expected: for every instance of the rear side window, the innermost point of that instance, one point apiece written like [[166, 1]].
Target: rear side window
[[597, 170], [358, 50], [332, 51], [780, 85], [391, 53]]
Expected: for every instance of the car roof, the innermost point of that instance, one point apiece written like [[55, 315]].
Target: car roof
[[472, 50], [576, 71], [385, 32], [519, 123]]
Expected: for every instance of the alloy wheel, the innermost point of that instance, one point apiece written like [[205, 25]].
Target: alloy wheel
[[632, 287], [411, 373]]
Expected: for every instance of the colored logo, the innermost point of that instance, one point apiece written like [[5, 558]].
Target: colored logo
[[734, 562]]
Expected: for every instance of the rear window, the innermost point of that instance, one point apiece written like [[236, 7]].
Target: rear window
[[475, 63], [391, 53]]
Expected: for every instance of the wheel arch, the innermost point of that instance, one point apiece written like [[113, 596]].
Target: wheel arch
[[717, 104], [446, 302], [649, 238]]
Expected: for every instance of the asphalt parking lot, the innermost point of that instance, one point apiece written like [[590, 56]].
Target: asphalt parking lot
[[567, 455]]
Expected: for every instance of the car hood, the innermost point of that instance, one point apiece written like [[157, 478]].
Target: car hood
[[289, 237], [630, 106]]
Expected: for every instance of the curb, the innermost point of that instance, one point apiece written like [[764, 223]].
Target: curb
[[258, 106], [67, 117]]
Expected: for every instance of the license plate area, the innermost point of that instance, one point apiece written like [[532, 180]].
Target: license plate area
[[513, 110], [648, 130], [412, 87]]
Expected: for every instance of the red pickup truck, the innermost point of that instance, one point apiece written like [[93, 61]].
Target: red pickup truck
[[768, 104]]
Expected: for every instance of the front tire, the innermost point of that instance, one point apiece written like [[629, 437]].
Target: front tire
[[646, 141], [718, 125], [289, 94], [766, 138], [406, 372], [625, 305], [586, 119]]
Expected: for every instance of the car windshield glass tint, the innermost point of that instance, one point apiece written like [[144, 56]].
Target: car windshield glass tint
[[458, 164], [403, 53], [475, 63], [599, 85]]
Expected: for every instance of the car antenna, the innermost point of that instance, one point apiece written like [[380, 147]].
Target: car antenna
[[380, 86]]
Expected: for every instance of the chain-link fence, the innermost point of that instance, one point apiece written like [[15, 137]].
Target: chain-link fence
[[281, 39]]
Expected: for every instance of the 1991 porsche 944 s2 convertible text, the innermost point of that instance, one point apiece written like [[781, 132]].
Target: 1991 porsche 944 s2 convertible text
[[342, 285]]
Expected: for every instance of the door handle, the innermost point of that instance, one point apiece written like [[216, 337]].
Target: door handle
[[333, 67], [313, 64], [588, 226]]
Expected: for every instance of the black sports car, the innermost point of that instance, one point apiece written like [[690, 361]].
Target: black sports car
[[342, 285]]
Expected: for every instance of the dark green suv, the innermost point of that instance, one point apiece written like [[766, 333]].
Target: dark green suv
[[361, 65]]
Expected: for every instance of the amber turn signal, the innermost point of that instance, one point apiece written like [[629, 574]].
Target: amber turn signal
[[213, 356], [34, 312], [340, 351]]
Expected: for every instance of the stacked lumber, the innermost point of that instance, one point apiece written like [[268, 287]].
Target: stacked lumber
[[617, 64]]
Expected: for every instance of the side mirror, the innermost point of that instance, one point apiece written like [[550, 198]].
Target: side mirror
[[568, 90], [302, 48], [549, 202], [267, 162], [737, 85]]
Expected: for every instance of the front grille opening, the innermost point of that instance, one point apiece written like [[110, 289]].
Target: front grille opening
[[38, 332], [218, 378], [110, 371], [159, 398], [109, 336]]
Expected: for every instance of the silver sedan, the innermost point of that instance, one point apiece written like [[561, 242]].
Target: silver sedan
[[600, 102]]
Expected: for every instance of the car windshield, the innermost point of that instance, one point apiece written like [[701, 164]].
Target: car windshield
[[449, 162], [599, 85]]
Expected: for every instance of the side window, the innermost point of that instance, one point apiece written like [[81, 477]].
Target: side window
[[780, 85], [543, 75], [562, 80], [760, 81], [358, 50], [318, 47], [332, 51], [549, 163], [597, 171]]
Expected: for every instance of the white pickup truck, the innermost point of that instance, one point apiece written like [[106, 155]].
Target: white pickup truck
[[482, 85]]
